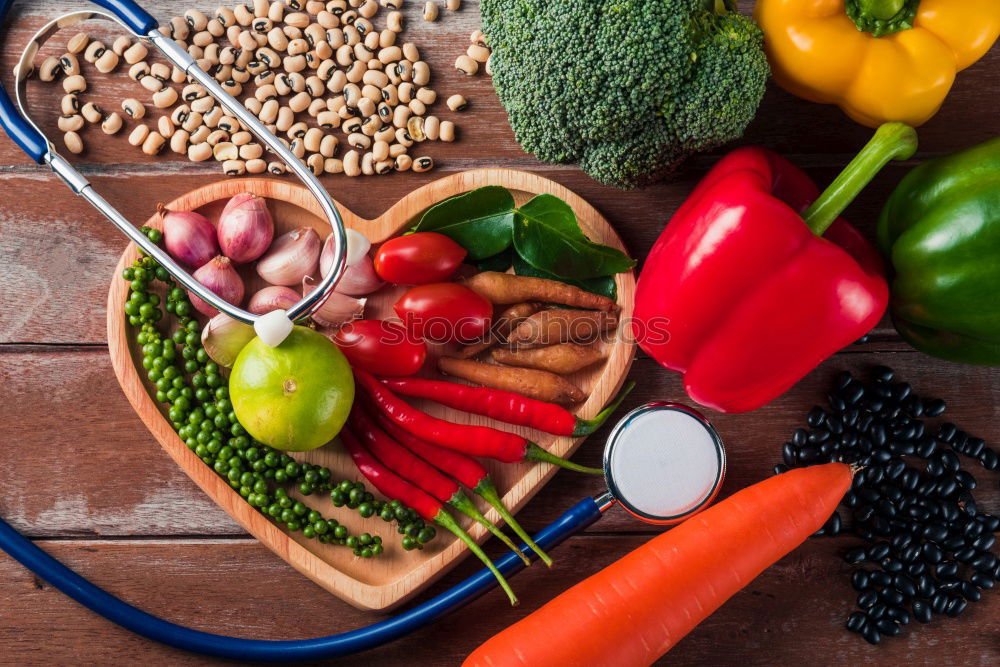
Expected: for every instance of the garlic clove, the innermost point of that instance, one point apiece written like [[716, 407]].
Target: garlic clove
[[223, 338], [358, 246], [291, 257], [360, 279], [337, 309]]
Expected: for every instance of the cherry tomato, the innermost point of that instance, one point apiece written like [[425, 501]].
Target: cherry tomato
[[444, 312], [417, 259], [380, 347]]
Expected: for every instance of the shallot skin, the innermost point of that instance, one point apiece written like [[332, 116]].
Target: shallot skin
[[219, 276], [246, 228], [189, 237]]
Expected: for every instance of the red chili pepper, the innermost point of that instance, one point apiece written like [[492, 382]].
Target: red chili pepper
[[466, 438], [395, 487], [743, 294], [467, 471], [506, 406], [419, 472]]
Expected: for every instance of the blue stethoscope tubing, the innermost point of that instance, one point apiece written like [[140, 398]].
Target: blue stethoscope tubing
[[131, 618], [581, 515]]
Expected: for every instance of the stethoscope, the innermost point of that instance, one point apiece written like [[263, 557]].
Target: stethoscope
[[663, 462]]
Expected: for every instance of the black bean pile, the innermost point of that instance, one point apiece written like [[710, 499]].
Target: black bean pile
[[927, 548]]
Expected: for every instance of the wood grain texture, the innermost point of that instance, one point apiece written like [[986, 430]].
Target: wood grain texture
[[396, 577], [71, 444]]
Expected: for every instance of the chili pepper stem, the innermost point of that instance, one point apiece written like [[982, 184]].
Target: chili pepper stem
[[463, 504], [533, 452], [445, 520], [488, 492], [587, 426], [892, 141]]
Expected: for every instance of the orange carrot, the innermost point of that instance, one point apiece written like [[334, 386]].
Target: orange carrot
[[635, 610]]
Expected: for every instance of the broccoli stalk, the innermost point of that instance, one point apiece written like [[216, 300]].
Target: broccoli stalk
[[628, 89]]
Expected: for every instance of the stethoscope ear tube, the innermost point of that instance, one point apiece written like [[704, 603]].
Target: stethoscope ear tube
[[131, 618]]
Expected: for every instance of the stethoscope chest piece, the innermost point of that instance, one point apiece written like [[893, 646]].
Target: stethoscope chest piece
[[664, 463]]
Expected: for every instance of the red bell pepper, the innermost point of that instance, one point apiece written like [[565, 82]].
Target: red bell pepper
[[756, 280]]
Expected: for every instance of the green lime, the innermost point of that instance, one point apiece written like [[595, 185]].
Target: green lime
[[296, 396]]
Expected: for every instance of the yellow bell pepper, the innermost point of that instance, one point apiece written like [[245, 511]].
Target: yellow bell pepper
[[879, 60]]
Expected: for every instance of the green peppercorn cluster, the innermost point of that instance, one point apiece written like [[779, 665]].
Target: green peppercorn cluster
[[187, 380]]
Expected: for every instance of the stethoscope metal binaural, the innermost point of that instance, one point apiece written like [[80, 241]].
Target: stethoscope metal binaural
[[662, 463]]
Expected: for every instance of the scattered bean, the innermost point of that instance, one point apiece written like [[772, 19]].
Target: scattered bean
[[113, 123], [78, 42], [422, 164], [70, 123], [138, 135], [466, 65], [50, 69], [430, 11], [447, 131], [73, 142], [75, 84]]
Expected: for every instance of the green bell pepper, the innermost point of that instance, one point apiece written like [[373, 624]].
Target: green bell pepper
[[941, 231]]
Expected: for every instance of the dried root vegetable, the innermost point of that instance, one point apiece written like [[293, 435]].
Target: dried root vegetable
[[503, 324], [540, 385], [563, 358], [560, 325], [505, 288]]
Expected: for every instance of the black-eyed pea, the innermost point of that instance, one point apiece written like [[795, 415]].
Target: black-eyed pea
[[160, 71], [403, 137], [390, 94], [426, 95], [395, 150], [70, 104], [229, 124], [386, 134], [300, 102], [92, 113], [164, 126], [478, 53], [202, 105], [457, 103], [234, 167], [166, 97], [243, 15], [386, 38], [224, 150], [247, 40], [199, 152], [50, 69], [404, 70], [286, 118], [394, 21], [431, 11], [269, 111], [294, 63], [477, 37], [225, 16], [349, 17], [234, 88], [276, 168], [315, 34], [313, 139], [70, 64], [327, 20], [74, 85], [332, 165], [242, 138], [198, 54], [417, 107], [196, 19], [256, 166], [400, 116], [415, 128], [179, 142], [315, 85], [153, 143], [356, 72], [297, 149], [262, 25], [251, 151], [380, 151], [376, 78], [366, 107], [447, 133], [73, 142], [351, 125], [216, 28], [107, 62], [390, 54], [179, 28], [240, 74], [70, 123], [352, 163], [368, 164], [338, 106], [297, 47], [297, 130], [177, 75], [432, 128], [452, 5], [212, 118], [151, 83], [139, 70], [328, 119], [406, 92], [78, 42], [217, 137], [264, 78], [192, 122], [359, 140], [383, 167], [403, 162], [193, 92], [292, 32], [233, 34], [94, 51], [316, 107], [328, 147], [371, 126], [423, 163], [179, 114], [121, 45], [315, 163], [363, 54], [200, 135], [384, 112], [268, 56], [466, 65], [266, 93], [368, 9]]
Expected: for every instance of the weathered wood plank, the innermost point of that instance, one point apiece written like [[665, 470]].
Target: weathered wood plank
[[82, 464], [792, 614]]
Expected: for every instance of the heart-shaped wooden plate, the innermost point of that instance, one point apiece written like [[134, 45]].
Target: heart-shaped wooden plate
[[396, 575]]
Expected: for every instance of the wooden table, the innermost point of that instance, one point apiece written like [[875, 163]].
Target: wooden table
[[82, 476]]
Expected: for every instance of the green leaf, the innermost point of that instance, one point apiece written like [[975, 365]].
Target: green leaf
[[548, 237], [481, 220], [498, 263], [604, 286]]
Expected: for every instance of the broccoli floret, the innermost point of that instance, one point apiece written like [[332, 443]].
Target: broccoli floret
[[626, 88]]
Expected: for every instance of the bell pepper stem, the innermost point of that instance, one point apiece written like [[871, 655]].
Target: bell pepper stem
[[464, 504], [892, 141], [488, 492], [588, 426], [534, 452], [881, 9]]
